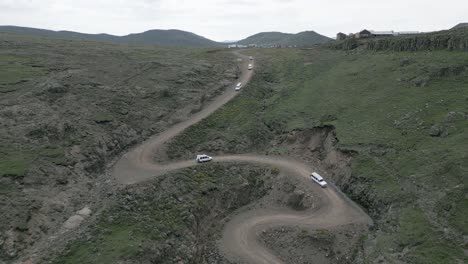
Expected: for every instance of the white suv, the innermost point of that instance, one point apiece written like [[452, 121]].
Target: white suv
[[318, 179], [203, 158], [238, 86], [250, 66]]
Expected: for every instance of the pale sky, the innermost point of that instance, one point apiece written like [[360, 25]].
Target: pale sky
[[233, 19]]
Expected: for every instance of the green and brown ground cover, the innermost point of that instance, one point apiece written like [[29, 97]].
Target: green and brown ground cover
[[402, 116], [67, 108]]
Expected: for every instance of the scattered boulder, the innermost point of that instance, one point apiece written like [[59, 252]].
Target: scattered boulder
[[421, 81], [454, 117], [435, 131], [73, 222], [438, 131], [405, 62], [76, 220], [85, 212]]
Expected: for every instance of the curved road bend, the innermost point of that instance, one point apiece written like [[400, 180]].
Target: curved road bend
[[137, 165], [239, 240]]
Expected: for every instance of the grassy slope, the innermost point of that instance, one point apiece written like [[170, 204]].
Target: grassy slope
[[383, 106]]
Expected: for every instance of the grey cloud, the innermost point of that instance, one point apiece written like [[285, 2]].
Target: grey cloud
[[232, 19]]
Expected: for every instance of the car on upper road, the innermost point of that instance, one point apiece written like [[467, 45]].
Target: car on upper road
[[203, 158], [318, 179], [238, 86], [250, 66], [250, 58]]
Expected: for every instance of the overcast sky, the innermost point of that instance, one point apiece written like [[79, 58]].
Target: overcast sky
[[233, 20]]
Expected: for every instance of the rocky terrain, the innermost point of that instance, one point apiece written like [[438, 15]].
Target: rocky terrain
[[68, 108]]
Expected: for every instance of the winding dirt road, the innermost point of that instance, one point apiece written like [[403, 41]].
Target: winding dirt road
[[240, 242]]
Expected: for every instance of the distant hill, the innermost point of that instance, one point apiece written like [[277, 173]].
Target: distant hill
[[461, 25], [306, 38], [177, 38], [170, 38]]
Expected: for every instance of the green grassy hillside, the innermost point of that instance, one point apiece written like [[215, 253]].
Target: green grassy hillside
[[402, 116], [302, 39]]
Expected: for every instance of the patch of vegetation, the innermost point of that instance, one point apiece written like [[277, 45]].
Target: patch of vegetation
[[13, 167], [7, 188], [14, 163], [116, 241], [53, 154], [102, 118], [15, 68], [425, 245], [385, 106]]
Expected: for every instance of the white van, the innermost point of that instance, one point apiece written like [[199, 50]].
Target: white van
[[250, 66], [238, 86], [318, 179], [203, 158]]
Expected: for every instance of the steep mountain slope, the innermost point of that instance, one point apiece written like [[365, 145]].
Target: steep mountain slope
[[173, 38], [306, 38]]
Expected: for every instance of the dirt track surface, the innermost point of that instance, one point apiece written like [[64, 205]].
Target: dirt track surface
[[239, 241]]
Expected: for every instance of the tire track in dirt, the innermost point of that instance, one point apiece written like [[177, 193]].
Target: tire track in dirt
[[239, 241]]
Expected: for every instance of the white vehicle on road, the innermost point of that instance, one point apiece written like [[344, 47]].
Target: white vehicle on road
[[203, 158], [318, 179], [250, 58], [250, 66], [238, 86]]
